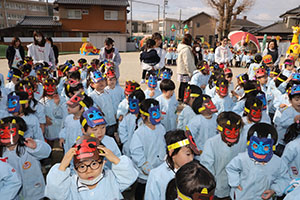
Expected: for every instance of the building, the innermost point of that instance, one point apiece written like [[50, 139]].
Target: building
[[243, 24], [12, 11], [202, 25], [155, 26], [137, 26]]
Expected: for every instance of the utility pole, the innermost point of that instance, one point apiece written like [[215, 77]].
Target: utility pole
[[180, 21], [130, 23], [164, 16]]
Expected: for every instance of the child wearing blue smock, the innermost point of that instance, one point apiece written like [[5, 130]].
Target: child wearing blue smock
[[203, 125], [130, 122], [180, 150], [254, 66], [258, 173], [152, 90], [222, 99], [210, 89], [221, 149], [293, 190], [147, 147], [201, 75], [91, 180], [24, 155], [168, 104], [191, 92]]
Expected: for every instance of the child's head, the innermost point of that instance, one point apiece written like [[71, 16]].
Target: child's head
[[292, 132], [228, 74], [203, 67], [34, 82], [204, 106], [26, 69], [274, 72], [180, 148], [194, 181], [166, 73], [257, 58], [289, 64], [72, 86], [150, 111], [215, 76], [222, 87], [152, 79], [268, 61], [49, 87], [63, 70], [131, 86], [87, 161], [18, 103], [242, 79], [75, 75], [261, 75], [82, 62], [78, 102], [262, 97], [251, 88], [294, 97], [41, 75], [95, 63], [191, 92], [14, 75], [229, 126], [111, 78], [93, 122], [280, 79], [167, 86], [25, 86], [98, 80], [150, 43], [262, 138], [253, 109], [134, 100]]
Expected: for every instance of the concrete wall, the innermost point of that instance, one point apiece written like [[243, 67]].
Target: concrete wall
[[97, 39]]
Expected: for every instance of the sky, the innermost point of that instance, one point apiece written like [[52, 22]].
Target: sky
[[264, 12]]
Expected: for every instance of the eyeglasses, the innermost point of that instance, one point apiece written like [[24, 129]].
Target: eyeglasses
[[93, 165]]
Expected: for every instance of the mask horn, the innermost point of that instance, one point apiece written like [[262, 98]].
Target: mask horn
[[269, 136], [204, 191], [228, 122], [13, 121], [255, 134]]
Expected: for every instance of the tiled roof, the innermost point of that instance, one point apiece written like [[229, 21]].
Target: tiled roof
[[38, 21], [277, 27], [243, 22], [95, 2], [294, 11], [202, 13]]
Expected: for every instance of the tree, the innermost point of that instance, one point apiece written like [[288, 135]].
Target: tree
[[226, 9]]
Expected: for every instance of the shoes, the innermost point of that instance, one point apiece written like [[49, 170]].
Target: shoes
[[142, 81]]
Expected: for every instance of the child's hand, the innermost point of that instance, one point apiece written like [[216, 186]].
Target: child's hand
[[240, 188], [30, 143], [120, 118], [109, 155], [67, 159], [61, 142], [56, 99], [267, 194], [283, 105], [297, 118], [289, 78], [151, 93], [48, 121]]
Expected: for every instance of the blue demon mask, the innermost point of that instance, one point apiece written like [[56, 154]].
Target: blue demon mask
[[96, 76], [10, 75], [152, 81], [93, 117], [154, 112], [295, 90], [296, 77], [166, 75], [133, 105], [260, 149], [262, 98], [14, 102]]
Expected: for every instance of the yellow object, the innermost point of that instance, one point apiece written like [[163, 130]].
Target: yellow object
[[294, 48], [178, 144]]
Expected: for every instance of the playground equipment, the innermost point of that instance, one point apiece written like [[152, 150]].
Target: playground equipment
[[294, 48], [240, 38], [88, 48]]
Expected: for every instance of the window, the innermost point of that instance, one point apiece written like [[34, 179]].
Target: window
[[64, 34], [198, 25], [111, 15], [74, 14], [85, 12], [79, 34]]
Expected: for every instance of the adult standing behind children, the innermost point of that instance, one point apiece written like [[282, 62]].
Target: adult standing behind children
[[160, 52], [185, 64], [273, 50], [110, 53], [14, 52], [222, 53]]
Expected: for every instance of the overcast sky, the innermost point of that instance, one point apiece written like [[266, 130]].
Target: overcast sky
[[264, 12]]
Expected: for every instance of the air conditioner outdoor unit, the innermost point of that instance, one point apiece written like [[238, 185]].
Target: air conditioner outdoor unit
[[56, 18]]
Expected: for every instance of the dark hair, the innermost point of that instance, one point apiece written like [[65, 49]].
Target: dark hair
[[234, 118], [275, 44], [292, 132], [150, 43], [223, 38], [64, 68], [245, 77], [293, 96], [167, 69], [86, 126], [74, 75], [22, 126], [220, 81], [23, 96], [109, 41], [250, 85], [250, 102], [156, 36], [187, 39], [14, 40], [201, 64], [144, 106], [213, 78], [171, 191], [19, 87], [257, 58], [96, 62], [138, 94], [263, 130], [150, 72], [281, 77], [39, 33], [50, 40], [198, 102], [167, 85], [88, 101], [72, 90], [192, 177]]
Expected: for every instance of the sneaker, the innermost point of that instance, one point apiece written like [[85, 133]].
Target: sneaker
[[142, 81]]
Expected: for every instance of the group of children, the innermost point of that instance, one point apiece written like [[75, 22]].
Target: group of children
[[227, 143]]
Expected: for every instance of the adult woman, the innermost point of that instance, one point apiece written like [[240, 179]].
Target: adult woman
[[40, 50], [15, 52], [110, 53], [272, 49], [185, 64], [223, 54], [197, 53], [160, 52]]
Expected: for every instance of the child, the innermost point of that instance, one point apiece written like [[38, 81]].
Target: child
[[190, 94], [128, 125], [13, 76], [149, 58], [18, 105], [204, 124], [165, 73], [254, 66], [71, 125], [257, 173], [200, 77], [210, 88], [93, 123], [289, 67], [24, 155], [152, 91], [180, 150], [239, 88], [115, 91], [91, 180], [228, 76], [174, 56], [211, 56], [62, 77], [222, 100], [169, 56], [10, 183], [37, 87], [103, 101], [168, 105], [221, 149], [147, 147]]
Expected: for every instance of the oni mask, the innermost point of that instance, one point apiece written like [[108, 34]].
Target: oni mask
[[96, 76], [133, 105], [260, 149], [86, 149], [93, 117], [295, 90], [296, 77], [229, 135], [262, 98], [152, 81], [10, 75], [9, 134], [71, 83], [50, 87], [223, 90], [28, 89], [187, 94], [254, 113], [110, 73], [192, 143], [209, 105], [41, 75], [130, 86], [166, 75], [203, 195], [13, 103], [76, 100], [82, 62], [154, 112]]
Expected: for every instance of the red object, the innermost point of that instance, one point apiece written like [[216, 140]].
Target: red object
[[237, 36]]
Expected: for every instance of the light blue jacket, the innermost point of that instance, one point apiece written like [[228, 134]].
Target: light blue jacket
[[157, 182], [148, 149], [199, 79], [122, 108], [29, 169], [10, 182], [168, 109], [251, 71], [255, 178], [157, 92], [34, 130], [223, 104], [63, 185], [295, 194], [117, 95], [216, 155], [210, 91], [291, 157], [39, 112], [185, 116], [202, 129], [111, 144]]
